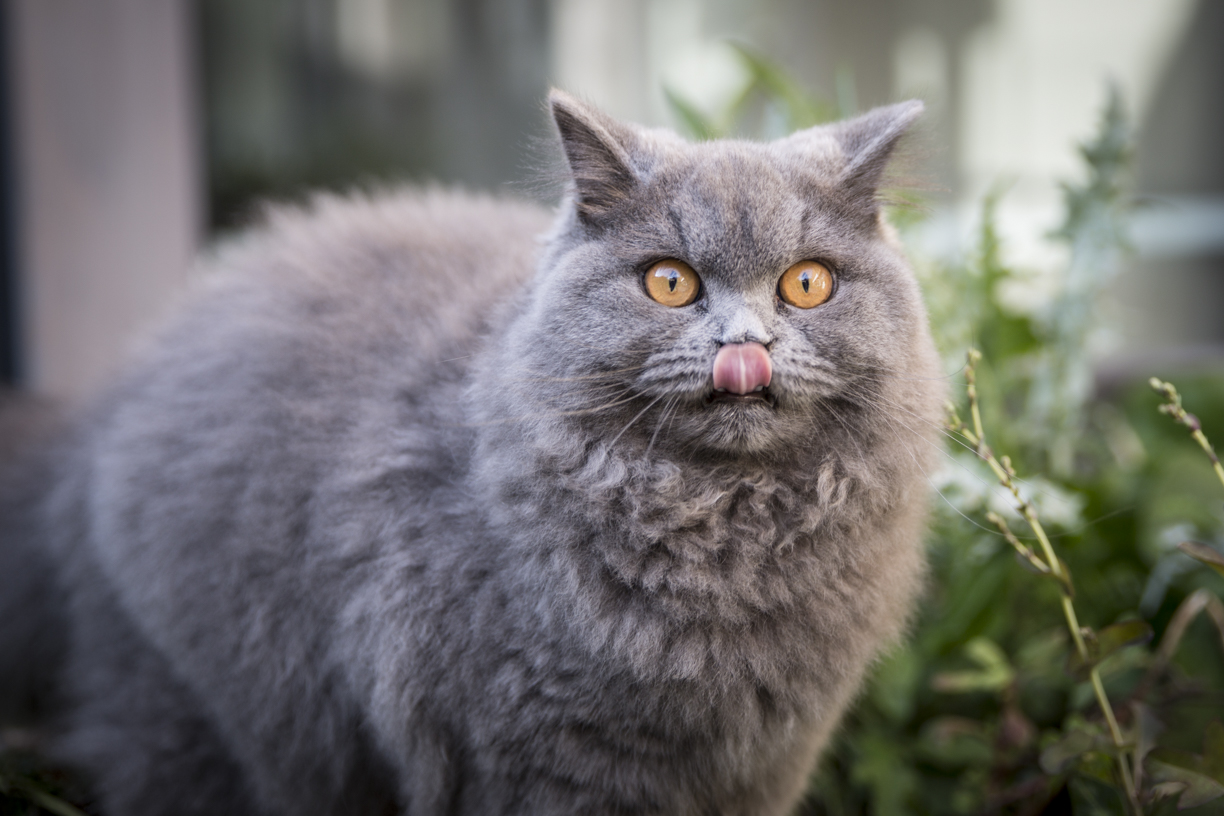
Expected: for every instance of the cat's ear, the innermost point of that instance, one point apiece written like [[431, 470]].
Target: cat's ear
[[867, 143], [597, 150], [853, 154]]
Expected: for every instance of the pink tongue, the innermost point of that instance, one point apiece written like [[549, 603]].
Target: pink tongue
[[741, 367]]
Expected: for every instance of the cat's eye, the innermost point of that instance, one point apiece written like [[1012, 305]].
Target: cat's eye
[[807, 284], [672, 283]]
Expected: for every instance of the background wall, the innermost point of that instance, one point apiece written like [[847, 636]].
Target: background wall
[[138, 129], [105, 188]]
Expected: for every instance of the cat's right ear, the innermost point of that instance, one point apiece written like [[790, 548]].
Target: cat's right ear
[[595, 147]]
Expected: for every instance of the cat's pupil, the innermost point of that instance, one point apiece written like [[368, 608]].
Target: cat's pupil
[[672, 280], [806, 279]]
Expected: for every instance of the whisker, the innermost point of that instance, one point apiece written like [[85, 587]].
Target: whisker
[[616, 402], [989, 485], [896, 374], [611, 375], [636, 417], [927, 476], [957, 439], [664, 414], [829, 409]]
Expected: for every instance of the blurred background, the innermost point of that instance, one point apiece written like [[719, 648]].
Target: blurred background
[[134, 132]]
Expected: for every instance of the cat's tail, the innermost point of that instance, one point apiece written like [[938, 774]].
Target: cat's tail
[[32, 629]]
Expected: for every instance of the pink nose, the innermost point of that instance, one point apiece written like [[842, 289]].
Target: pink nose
[[742, 368]]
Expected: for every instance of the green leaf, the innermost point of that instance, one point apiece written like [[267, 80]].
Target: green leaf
[[895, 684], [1201, 777], [972, 606], [1168, 766], [1091, 797], [47, 801], [1203, 553], [1118, 636], [1066, 753], [955, 743], [1213, 751], [996, 671], [882, 767], [1147, 728], [1107, 642], [802, 111], [966, 682], [1063, 579], [698, 125]]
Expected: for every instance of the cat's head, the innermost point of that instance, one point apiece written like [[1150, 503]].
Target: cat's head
[[724, 297]]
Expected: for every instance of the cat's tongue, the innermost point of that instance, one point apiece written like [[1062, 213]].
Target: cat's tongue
[[742, 368]]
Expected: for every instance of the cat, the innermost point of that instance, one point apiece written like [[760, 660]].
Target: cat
[[409, 510]]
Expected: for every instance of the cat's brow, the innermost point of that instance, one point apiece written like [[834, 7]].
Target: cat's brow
[[747, 224], [809, 212], [678, 223]]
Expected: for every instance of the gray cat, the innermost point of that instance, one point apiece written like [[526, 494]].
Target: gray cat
[[410, 511]]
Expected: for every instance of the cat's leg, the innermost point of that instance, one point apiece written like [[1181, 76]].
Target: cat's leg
[[136, 730]]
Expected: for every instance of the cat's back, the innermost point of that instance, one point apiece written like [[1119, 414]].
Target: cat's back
[[319, 353], [215, 506], [332, 305], [428, 270]]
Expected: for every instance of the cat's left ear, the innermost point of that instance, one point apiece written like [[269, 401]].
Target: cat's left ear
[[868, 141], [597, 149], [866, 144]]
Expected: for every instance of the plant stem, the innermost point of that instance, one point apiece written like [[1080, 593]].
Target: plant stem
[[1005, 473], [1173, 407]]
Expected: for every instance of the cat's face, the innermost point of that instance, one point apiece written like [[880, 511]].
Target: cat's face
[[634, 348]]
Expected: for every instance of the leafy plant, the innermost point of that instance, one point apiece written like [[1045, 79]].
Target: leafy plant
[[29, 786], [1091, 648]]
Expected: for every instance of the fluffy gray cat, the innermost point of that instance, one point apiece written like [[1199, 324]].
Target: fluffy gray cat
[[411, 511]]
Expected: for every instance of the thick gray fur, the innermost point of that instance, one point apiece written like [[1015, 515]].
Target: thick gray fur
[[411, 511]]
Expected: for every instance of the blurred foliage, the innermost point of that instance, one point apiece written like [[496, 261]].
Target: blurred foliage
[[767, 104], [30, 786], [983, 711]]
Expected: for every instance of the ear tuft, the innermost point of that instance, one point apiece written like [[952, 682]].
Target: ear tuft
[[868, 141], [597, 150]]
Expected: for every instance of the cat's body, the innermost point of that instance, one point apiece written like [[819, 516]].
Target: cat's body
[[390, 521]]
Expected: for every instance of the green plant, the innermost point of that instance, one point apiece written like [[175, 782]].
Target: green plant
[[28, 786], [1091, 648]]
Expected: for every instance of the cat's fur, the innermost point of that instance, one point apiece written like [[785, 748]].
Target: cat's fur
[[411, 511]]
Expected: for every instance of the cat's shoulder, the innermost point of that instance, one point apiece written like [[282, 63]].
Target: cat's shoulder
[[411, 267], [340, 298], [428, 236]]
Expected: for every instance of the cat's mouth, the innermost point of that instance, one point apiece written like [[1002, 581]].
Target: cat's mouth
[[760, 396]]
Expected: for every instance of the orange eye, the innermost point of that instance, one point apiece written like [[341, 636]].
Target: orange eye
[[806, 284], [672, 283]]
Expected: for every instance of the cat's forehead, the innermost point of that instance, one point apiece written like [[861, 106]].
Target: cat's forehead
[[761, 167], [745, 200]]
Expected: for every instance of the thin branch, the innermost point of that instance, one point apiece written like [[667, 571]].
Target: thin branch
[[1173, 407], [1006, 474]]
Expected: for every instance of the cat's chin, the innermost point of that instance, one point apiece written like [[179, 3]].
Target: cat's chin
[[736, 424], [761, 397]]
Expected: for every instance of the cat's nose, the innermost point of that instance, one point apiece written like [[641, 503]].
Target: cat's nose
[[742, 368]]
